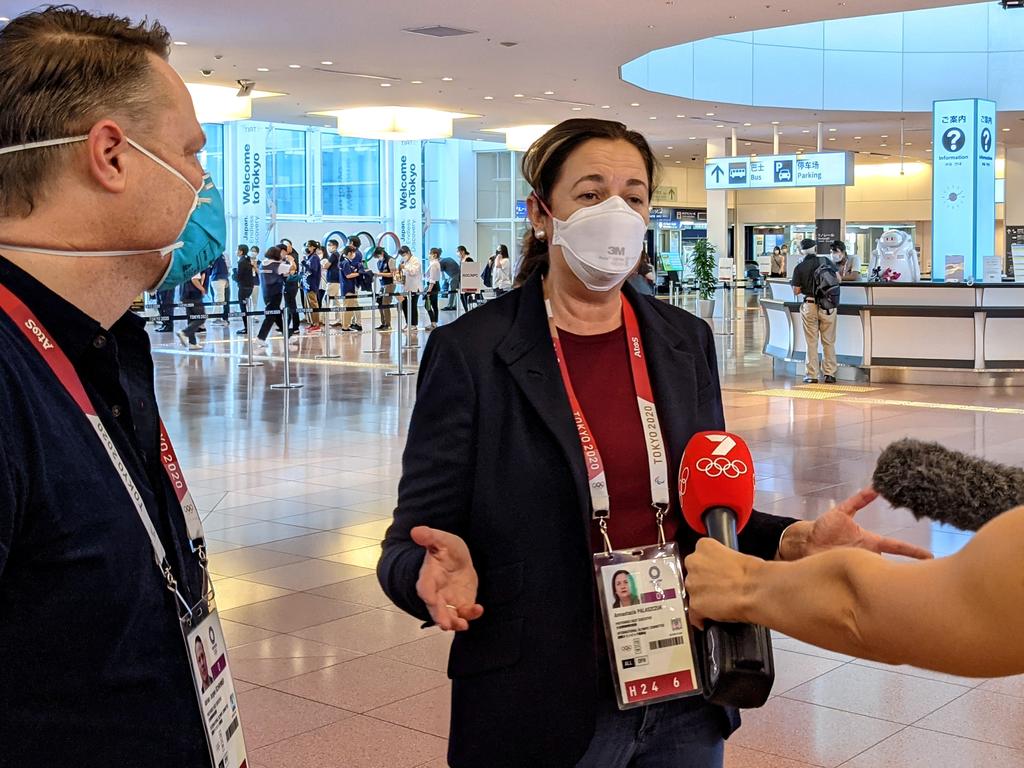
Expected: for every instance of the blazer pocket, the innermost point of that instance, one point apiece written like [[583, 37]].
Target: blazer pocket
[[486, 647]]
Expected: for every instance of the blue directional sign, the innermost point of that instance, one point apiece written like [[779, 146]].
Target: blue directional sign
[[819, 169], [963, 186]]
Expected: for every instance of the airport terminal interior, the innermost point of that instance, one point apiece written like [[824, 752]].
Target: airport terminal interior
[[894, 126]]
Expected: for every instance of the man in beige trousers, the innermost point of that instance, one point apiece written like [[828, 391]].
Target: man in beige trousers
[[819, 322]]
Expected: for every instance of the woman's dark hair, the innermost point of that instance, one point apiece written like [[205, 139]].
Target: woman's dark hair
[[542, 165], [778, 249], [379, 251], [354, 240], [244, 250], [273, 253], [503, 250]]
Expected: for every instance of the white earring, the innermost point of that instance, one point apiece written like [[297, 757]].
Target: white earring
[[540, 234]]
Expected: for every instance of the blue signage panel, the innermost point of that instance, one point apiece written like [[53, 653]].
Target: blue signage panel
[[963, 186], [820, 169], [520, 209]]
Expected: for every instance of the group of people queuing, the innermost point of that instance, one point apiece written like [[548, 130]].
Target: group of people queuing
[[326, 279]]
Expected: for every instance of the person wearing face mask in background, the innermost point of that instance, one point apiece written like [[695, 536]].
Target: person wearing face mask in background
[[311, 270], [778, 265], [501, 271], [847, 265], [410, 275], [433, 287], [507, 565], [102, 197], [292, 283], [221, 291]]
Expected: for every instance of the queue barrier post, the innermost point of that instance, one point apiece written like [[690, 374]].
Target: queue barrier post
[[287, 383]]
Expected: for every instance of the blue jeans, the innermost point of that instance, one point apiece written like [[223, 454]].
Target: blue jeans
[[685, 733]]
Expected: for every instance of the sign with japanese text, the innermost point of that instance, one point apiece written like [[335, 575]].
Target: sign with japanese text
[[819, 169], [963, 184]]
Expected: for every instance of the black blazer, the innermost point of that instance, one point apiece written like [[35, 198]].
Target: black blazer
[[493, 456]]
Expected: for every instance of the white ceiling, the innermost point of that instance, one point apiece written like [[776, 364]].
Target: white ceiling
[[571, 48]]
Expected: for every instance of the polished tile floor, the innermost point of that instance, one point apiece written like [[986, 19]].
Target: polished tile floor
[[297, 486]]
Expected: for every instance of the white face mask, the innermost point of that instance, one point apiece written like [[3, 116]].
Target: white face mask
[[73, 140], [601, 243]]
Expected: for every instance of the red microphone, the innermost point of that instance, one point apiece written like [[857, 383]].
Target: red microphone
[[716, 491]]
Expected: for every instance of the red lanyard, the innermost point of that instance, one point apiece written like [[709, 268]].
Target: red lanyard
[[41, 340], [657, 461]]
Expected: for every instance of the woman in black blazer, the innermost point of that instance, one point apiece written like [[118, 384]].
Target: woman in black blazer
[[507, 563]]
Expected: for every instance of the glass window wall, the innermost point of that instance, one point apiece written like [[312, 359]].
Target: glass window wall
[[350, 172], [286, 175]]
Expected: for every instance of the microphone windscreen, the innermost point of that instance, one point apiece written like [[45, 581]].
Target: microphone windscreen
[[945, 485], [717, 471]]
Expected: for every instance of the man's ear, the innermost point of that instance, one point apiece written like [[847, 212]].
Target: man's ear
[[109, 159]]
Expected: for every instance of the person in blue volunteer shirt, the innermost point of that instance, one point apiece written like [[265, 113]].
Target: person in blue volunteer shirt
[[349, 268], [273, 271], [93, 668], [311, 273]]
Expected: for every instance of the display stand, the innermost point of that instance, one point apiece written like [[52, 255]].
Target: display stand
[[287, 383], [249, 362]]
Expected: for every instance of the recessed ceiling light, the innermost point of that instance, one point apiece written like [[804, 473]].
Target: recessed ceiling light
[[775, 122], [385, 85], [577, 109], [806, 130], [606, 106], [635, 104], [549, 93], [910, 143], [1005, 130], [517, 95], [754, 155], [884, 145], [831, 138], [693, 138], [294, 66], [327, 63], [746, 143], [856, 138], [653, 117], [488, 98], [678, 162], [447, 79], [719, 126], [4, 19], [709, 114], [176, 42], [927, 150], [885, 136], [416, 82], [666, 155], [832, 130], [746, 125], [680, 116], [669, 147], [262, 69]]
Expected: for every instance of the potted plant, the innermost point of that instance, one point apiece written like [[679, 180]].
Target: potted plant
[[705, 276]]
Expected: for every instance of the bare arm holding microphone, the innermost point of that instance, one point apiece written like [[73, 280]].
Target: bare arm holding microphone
[[960, 614]]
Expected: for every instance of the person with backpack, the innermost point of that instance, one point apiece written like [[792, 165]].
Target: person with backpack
[[816, 280]]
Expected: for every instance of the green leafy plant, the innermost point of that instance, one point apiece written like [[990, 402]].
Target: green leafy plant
[[705, 269]]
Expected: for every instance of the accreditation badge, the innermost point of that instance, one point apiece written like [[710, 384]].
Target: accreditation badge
[[650, 643], [211, 676]]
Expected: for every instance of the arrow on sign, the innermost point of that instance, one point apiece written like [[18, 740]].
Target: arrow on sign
[[718, 173]]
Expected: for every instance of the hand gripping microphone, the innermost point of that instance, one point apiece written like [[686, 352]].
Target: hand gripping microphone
[[947, 486], [716, 490]]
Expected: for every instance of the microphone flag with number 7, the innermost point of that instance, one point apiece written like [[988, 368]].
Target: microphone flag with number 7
[[717, 471]]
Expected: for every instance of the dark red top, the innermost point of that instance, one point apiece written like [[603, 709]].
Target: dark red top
[[600, 372]]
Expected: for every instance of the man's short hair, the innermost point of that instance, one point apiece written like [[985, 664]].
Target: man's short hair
[[61, 70], [354, 240], [244, 250], [333, 242], [436, 250], [839, 245], [255, 249]]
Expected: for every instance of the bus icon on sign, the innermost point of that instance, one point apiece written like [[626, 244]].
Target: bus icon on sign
[[737, 173], [783, 171]]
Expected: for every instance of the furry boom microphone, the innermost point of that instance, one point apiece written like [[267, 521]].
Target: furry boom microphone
[[947, 486]]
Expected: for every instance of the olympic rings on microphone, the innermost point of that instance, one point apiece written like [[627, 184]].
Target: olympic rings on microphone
[[684, 480], [717, 467]]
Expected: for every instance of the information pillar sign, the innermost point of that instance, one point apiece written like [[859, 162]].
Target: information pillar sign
[[963, 184], [407, 192], [251, 203]]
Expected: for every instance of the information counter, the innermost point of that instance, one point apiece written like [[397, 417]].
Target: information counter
[[912, 333]]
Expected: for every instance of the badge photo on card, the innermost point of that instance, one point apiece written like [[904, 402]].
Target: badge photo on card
[[650, 644]]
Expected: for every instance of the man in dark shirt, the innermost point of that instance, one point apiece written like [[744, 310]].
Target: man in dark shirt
[[453, 272], [93, 668], [818, 322]]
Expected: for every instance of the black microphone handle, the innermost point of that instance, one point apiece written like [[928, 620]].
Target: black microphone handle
[[721, 525]]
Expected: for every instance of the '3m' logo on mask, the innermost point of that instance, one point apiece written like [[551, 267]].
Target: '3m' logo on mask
[[614, 250]]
